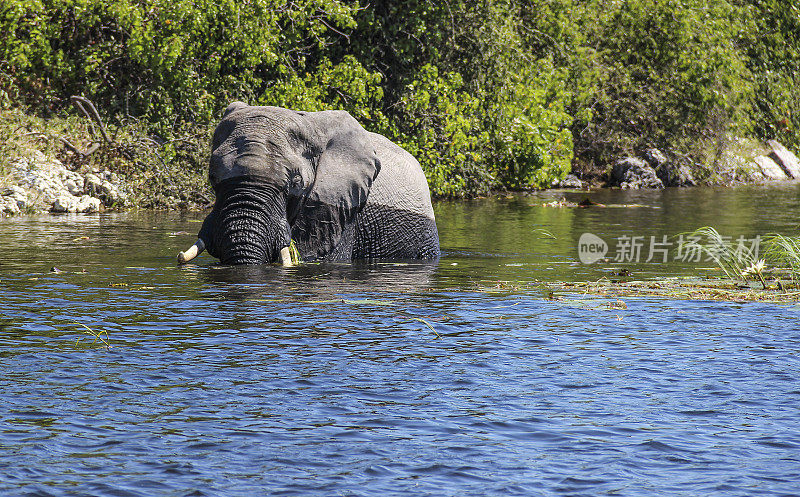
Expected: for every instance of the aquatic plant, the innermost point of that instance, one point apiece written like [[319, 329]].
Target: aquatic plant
[[294, 254], [785, 251], [426, 323], [733, 260], [756, 268], [96, 334], [739, 262], [678, 288]]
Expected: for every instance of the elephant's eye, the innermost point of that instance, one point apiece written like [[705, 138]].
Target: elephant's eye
[[295, 184]]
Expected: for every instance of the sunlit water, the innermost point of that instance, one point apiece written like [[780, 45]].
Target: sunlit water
[[449, 379]]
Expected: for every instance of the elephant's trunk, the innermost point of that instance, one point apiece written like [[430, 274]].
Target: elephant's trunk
[[252, 226]]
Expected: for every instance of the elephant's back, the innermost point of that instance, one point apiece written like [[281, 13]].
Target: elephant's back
[[397, 221], [401, 182]]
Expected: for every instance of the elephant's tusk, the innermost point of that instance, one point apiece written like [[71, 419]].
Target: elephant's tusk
[[191, 252], [286, 257]]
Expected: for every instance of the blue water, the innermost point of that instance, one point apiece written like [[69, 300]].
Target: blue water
[[363, 380]]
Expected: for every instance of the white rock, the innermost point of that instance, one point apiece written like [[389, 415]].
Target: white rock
[[109, 191], [20, 164], [38, 156], [102, 188], [770, 169], [38, 183], [42, 182], [72, 187], [50, 195], [88, 204], [92, 183], [8, 206], [14, 190], [21, 199], [65, 203], [66, 174], [784, 158]]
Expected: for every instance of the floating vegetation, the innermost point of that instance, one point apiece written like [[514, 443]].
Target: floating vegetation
[[97, 336], [294, 254], [426, 323], [587, 202], [683, 289], [732, 260], [739, 261], [562, 202], [776, 288]]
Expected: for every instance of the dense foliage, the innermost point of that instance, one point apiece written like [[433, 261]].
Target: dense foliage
[[486, 93]]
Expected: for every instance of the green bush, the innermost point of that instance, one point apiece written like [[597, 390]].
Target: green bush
[[672, 77], [346, 85], [440, 128], [531, 141], [162, 60], [772, 46], [466, 95]]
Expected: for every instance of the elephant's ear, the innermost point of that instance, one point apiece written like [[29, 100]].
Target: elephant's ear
[[345, 171]]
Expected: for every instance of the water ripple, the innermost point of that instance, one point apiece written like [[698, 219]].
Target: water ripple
[[381, 380]]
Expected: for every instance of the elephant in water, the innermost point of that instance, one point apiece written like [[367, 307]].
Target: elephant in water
[[318, 179]]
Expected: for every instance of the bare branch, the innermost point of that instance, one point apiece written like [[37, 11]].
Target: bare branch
[[91, 114]]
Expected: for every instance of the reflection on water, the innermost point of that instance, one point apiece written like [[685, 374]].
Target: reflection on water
[[519, 237], [319, 280], [392, 378]]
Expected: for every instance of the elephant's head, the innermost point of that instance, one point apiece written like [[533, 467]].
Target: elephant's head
[[282, 175]]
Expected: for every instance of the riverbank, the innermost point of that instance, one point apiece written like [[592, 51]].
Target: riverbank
[[77, 165], [743, 161]]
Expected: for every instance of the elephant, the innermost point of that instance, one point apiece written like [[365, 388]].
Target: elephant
[[315, 179]]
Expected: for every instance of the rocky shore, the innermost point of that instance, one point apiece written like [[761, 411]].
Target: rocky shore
[[38, 183], [744, 163]]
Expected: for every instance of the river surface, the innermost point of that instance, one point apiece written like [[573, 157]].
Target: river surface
[[125, 375]]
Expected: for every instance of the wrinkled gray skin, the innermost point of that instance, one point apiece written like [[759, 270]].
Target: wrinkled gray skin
[[318, 178]]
